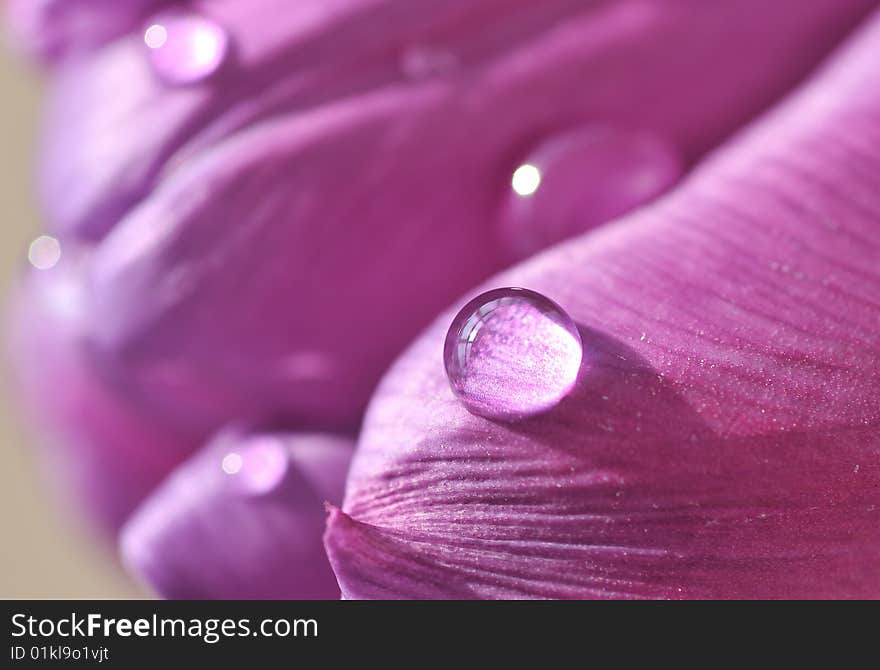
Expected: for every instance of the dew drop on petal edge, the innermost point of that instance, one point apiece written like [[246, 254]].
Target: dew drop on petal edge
[[184, 47], [511, 353]]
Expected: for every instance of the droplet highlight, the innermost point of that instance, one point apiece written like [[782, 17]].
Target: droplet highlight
[[526, 180], [44, 252], [512, 353], [185, 47], [579, 179]]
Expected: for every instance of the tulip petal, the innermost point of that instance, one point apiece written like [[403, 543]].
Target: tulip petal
[[242, 519], [723, 441]]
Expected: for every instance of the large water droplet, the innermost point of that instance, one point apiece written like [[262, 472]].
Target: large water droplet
[[185, 47], [511, 353], [579, 179]]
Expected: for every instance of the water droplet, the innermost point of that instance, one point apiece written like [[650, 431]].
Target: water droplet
[[422, 62], [511, 353], [259, 465], [185, 47], [582, 178], [44, 252]]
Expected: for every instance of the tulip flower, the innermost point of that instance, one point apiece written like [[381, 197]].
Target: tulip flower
[[723, 439], [260, 204]]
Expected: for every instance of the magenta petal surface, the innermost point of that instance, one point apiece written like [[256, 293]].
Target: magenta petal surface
[[251, 225], [242, 519], [725, 444]]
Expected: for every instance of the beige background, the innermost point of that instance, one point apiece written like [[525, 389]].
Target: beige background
[[44, 552]]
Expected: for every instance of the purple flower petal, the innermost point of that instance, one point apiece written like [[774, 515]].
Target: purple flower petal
[[308, 197], [242, 519], [104, 449], [723, 441]]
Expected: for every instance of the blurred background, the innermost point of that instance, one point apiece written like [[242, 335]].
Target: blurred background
[[45, 552]]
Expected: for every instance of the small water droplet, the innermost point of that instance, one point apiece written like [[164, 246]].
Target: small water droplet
[[511, 353], [44, 252], [581, 178], [259, 466], [185, 47], [422, 62]]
